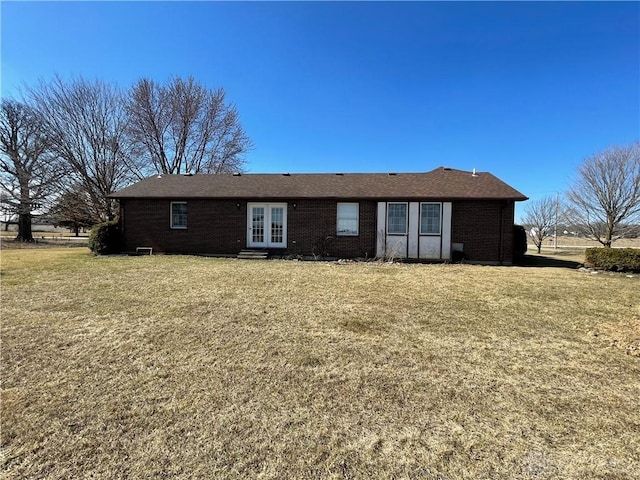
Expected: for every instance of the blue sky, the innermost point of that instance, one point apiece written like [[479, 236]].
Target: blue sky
[[523, 90]]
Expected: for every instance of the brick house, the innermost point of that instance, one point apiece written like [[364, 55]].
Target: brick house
[[428, 216]]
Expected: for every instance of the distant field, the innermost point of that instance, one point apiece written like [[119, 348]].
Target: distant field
[[8, 243], [567, 241], [184, 367], [45, 234]]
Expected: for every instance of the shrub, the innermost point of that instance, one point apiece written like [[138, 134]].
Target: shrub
[[519, 242], [614, 259], [105, 238]]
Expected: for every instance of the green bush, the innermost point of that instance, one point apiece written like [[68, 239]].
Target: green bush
[[519, 242], [613, 259], [105, 238]]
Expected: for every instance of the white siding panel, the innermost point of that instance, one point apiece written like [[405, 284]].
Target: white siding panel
[[430, 247], [381, 229], [396, 246], [446, 230], [414, 222]]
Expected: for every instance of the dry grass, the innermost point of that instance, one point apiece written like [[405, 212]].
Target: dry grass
[[184, 367]]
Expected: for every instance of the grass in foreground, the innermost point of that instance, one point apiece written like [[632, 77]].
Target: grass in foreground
[[184, 367]]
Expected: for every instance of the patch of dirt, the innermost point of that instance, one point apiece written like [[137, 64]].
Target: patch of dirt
[[624, 335]]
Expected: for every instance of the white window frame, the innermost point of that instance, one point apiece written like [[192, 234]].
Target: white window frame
[[338, 218], [406, 218], [267, 240], [439, 232], [172, 224]]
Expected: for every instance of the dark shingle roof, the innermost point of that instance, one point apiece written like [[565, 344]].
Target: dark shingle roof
[[441, 184]]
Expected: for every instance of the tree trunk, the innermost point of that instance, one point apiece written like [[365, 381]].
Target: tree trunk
[[24, 228], [76, 227], [539, 248], [24, 209]]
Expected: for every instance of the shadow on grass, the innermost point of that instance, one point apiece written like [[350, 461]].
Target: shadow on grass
[[546, 261]]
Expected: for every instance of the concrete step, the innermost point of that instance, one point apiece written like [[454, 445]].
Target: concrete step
[[248, 254]]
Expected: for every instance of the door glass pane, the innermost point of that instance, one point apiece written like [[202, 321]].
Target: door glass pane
[[277, 224], [257, 224]]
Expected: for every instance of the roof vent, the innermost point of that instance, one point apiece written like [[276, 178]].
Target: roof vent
[[286, 174], [446, 168], [159, 175], [236, 174], [341, 174], [392, 173], [474, 174], [188, 174]]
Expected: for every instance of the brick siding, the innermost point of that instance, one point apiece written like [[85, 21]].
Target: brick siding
[[220, 227], [212, 227], [312, 230], [476, 224]]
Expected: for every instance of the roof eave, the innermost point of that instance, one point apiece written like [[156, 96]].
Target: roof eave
[[404, 198]]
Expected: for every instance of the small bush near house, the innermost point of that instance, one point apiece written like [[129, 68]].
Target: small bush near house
[[105, 238], [613, 259], [519, 242]]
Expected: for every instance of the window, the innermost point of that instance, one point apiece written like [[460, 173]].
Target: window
[[348, 219], [178, 214], [397, 218], [430, 218], [277, 224]]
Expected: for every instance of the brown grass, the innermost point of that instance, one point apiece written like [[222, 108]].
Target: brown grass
[[184, 367]]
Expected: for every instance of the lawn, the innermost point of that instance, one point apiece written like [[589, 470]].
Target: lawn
[[186, 367]]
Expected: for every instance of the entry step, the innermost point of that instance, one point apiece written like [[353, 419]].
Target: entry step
[[253, 254]]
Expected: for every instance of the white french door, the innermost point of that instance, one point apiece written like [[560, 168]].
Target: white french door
[[267, 225]]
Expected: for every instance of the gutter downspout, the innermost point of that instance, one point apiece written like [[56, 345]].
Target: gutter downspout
[[502, 207]]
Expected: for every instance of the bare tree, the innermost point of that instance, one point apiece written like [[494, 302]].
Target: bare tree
[[185, 127], [29, 172], [540, 217], [605, 199], [86, 122]]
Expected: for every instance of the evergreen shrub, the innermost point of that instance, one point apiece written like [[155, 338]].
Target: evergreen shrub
[[519, 242], [104, 238]]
